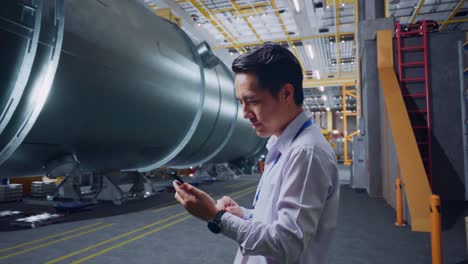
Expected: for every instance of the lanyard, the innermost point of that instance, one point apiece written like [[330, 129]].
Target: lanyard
[[307, 124]]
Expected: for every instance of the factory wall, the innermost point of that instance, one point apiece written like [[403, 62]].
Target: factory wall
[[447, 150], [448, 177]]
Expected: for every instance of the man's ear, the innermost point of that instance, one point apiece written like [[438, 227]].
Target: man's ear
[[288, 91]]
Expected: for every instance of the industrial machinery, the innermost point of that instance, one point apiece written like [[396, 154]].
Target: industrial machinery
[[105, 86]]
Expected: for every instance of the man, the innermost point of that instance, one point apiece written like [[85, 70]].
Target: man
[[294, 212]]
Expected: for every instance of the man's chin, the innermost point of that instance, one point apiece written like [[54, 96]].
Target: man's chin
[[262, 134]]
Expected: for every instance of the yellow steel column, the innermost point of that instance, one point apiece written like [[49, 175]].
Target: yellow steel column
[[329, 121], [337, 38]]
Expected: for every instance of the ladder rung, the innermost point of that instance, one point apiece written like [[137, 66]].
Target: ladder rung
[[413, 64], [418, 111], [413, 79], [412, 48], [409, 33], [415, 95]]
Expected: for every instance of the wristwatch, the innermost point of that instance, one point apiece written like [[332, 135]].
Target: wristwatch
[[214, 225]]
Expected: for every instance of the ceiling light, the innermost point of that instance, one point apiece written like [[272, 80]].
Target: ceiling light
[[198, 24], [342, 4], [317, 74], [328, 6], [232, 53], [263, 14], [331, 42], [310, 51], [324, 98], [297, 6], [341, 117], [251, 16], [321, 88], [342, 41], [328, 109], [237, 18]]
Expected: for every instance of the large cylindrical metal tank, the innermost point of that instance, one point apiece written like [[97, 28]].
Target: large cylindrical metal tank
[[114, 86]]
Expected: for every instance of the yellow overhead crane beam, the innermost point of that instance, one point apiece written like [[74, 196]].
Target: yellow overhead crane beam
[[237, 8], [329, 82], [454, 12], [245, 9], [293, 39], [416, 12], [217, 24], [288, 39]]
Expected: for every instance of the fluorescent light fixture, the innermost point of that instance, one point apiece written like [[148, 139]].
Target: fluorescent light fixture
[[317, 74], [328, 109], [321, 88], [310, 51], [324, 98], [297, 6]]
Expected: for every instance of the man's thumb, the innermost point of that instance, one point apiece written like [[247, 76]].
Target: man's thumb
[[190, 189]]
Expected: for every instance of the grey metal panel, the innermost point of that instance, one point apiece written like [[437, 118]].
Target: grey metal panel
[[40, 79], [20, 24], [131, 92]]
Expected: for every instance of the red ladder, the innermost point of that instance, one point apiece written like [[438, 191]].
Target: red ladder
[[420, 117]]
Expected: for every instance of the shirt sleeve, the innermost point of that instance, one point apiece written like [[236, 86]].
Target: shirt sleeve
[[246, 213], [306, 185]]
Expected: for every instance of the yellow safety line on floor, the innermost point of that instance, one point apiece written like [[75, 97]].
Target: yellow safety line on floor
[[49, 237], [241, 193], [54, 242], [113, 239], [165, 206], [238, 184], [130, 240]]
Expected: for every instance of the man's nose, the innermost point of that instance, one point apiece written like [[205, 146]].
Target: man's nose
[[246, 111]]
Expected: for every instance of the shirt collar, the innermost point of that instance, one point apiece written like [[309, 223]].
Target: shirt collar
[[282, 142]]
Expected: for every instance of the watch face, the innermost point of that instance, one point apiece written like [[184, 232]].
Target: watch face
[[214, 227]]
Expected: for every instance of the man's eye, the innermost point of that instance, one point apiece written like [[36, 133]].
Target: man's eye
[[254, 102]]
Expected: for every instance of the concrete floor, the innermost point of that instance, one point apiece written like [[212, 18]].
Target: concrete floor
[[161, 232]]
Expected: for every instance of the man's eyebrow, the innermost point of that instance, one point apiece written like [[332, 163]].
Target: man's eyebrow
[[248, 97]]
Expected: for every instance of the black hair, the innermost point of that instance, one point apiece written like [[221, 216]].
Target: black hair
[[274, 67]]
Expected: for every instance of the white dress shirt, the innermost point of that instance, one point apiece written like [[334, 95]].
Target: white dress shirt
[[295, 217]]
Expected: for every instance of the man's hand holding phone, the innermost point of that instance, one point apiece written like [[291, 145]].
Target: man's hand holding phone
[[196, 202], [229, 205]]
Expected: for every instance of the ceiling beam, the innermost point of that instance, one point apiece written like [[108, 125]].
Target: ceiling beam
[[237, 8], [288, 39], [295, 39], [329, 82], [455, 21], [217, 24], [454, 12], [416, 12]]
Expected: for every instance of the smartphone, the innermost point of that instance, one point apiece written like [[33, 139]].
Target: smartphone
[[174, 175]]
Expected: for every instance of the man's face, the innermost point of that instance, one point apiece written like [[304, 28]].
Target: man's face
[[262, 110]]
